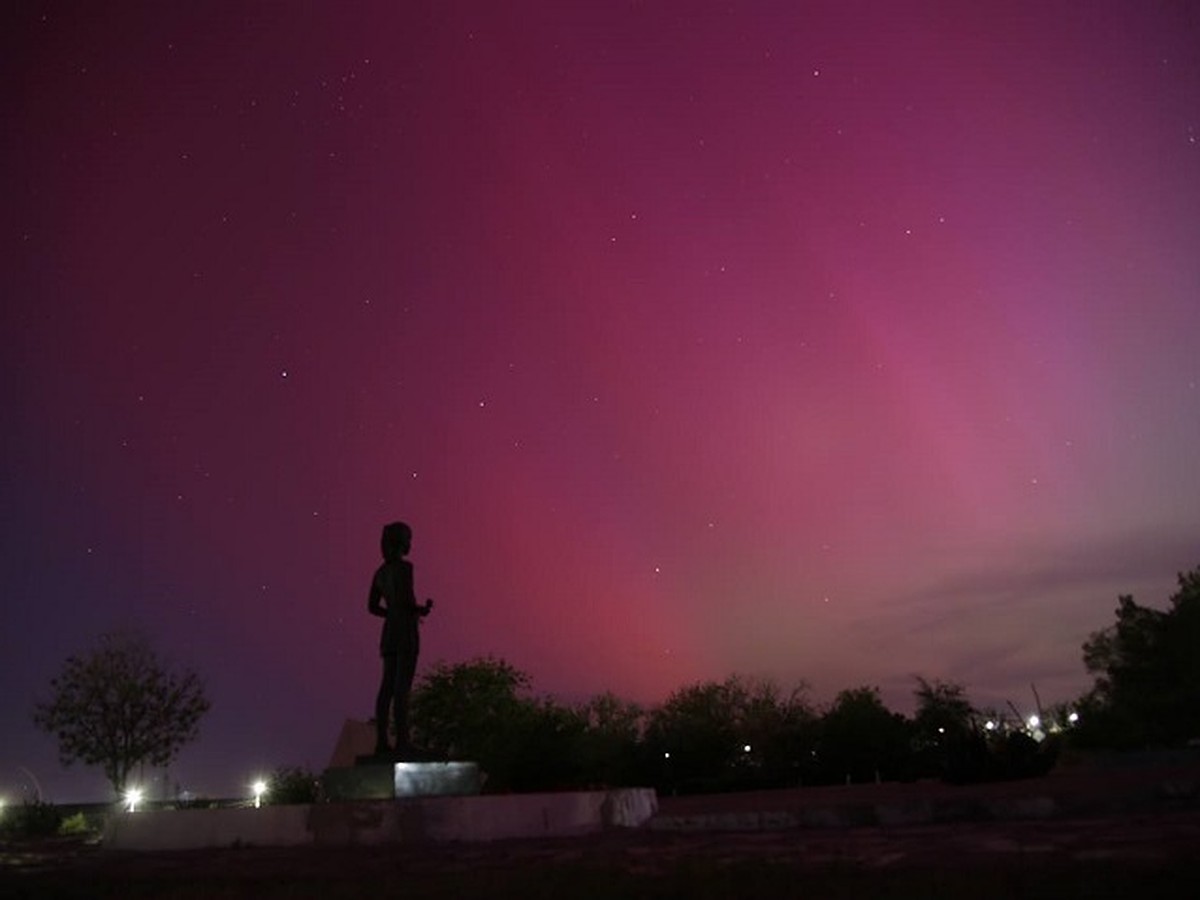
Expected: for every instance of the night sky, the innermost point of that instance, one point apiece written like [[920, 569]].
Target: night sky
[[838, 342]]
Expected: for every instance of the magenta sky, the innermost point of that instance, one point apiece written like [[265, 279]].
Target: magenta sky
[[836, 342]]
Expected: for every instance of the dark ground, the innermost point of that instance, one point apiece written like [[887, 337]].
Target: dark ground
[[1117, 834]]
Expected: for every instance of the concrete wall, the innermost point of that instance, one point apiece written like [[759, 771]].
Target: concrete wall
[[186, 829], [484, 818]]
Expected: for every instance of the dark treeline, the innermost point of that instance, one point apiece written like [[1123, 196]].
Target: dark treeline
[[745, 733], [735, 734]]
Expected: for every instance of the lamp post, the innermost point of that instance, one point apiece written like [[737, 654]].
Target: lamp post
[[259, 788]]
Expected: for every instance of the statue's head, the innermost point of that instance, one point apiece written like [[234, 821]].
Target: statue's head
[[396, 541]]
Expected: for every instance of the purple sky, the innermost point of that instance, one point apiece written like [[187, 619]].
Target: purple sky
[[837, 342]]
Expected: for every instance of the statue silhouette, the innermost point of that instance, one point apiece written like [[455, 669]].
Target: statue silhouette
[[393, 599]]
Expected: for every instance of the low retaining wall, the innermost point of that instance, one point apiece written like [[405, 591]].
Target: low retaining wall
[[482, 818]]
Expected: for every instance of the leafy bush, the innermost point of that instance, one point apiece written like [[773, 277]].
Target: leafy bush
[[75, 826], [291, 785], [32, 820]]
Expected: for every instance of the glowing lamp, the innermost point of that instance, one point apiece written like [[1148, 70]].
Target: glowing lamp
[[259, 788]]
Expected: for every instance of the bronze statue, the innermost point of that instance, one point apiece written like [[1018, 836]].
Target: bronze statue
[[393, 599]]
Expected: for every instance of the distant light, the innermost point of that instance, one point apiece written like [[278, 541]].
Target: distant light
[[990, 725], [1073, 718], [133, 797], [259, 788], [745, 748], [1034, 721], [666, 754], [941, 730]]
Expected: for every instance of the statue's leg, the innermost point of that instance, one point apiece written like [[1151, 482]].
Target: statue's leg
[[383, 704], [406, 669]]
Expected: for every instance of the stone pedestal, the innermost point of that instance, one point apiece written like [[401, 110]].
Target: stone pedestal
[[360, 782], [355, 773], [397, 780], [436, 779]]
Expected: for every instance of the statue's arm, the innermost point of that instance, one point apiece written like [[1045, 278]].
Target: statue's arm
[[409, 593], [375, 605]]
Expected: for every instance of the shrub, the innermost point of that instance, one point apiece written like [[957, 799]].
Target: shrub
[[290, 785], [75, 826], [32, 820]]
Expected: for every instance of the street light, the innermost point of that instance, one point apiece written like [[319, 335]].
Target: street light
[[259, 788], [133, 797]]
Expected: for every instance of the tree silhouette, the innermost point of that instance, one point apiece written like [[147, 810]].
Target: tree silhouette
[[701, 733], [1147, 671], [119, 707], [610, 745], [946, 741], [862, 738], [481, 710]]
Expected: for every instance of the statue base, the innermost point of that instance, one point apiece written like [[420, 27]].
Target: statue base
[[355, 774], [373, 778]]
